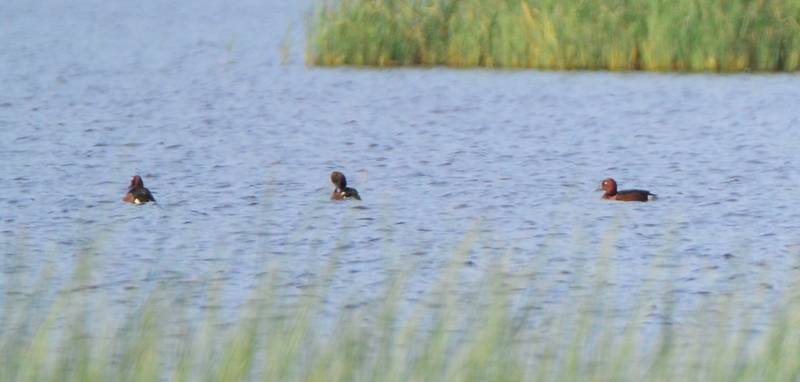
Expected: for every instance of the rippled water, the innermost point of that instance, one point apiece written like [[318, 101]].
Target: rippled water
[[238, 149]]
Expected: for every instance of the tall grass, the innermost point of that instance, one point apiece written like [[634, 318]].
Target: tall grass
[[496, 327], [656, 35]]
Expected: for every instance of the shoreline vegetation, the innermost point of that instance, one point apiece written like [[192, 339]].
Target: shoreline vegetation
[[615, 35], [498, 326]]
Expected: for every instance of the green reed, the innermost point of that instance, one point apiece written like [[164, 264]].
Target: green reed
[[656, 35], [490, 323]]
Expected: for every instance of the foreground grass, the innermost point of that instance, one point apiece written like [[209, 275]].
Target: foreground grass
[[682, 35], [489, 328]]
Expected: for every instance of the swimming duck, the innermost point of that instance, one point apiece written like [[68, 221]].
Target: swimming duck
[[610, 187], [137, 194], [342, 191]]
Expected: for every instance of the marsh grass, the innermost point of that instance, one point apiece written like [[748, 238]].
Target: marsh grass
[[286, 45], [497, 326], [680, 35]]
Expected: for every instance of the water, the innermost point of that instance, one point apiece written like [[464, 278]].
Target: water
[[237, 142]]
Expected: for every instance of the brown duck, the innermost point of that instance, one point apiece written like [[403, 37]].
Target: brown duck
[[137, 194], [342, 191], [610, 187]]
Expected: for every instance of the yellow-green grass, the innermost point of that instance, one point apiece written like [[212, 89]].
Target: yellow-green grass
[[492, 322], [654, 35]]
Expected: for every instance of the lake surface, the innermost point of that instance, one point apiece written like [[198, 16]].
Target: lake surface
[[237, 140]]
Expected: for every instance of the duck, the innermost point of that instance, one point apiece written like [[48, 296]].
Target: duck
[[342, 191], [137, 194], [610, 187]]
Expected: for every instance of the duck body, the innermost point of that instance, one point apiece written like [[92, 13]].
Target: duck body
[[342, 192], [137, 193]]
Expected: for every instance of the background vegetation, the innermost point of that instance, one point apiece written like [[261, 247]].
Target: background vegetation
[[656, 35]]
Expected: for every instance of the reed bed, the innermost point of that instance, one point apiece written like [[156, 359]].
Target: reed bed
[[486, 328], [617, 35]]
